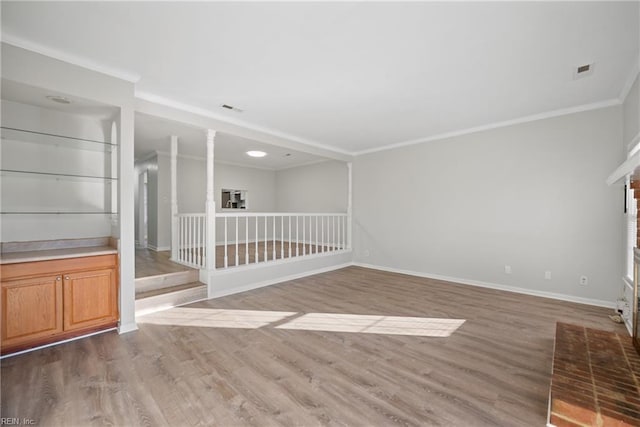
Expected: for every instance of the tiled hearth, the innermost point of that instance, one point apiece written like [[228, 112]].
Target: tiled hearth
[[595, 379]]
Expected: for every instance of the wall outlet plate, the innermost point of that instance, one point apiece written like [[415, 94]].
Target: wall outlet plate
[[584, 280]]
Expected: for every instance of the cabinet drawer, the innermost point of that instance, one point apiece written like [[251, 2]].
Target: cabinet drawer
[[40, 268], [31, 309]]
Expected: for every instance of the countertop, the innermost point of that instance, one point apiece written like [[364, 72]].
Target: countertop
[[50, 254]]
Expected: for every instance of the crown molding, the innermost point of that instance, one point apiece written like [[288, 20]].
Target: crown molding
[[496, 125], [71, 59]]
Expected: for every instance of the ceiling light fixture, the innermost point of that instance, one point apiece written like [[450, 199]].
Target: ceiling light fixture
[[59, 99], [256, 153]]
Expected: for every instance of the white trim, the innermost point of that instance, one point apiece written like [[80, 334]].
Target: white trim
[[167, 102], [633, 142], [624, 169], [628, 84], [71, 59], [277, 280], [273, 262], [158, 249], [276, 214], [127, 327], [543, 294], [496, 125], [40, 347]]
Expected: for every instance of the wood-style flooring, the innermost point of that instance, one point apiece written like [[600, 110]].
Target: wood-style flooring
[[152, 263], [493, 371]]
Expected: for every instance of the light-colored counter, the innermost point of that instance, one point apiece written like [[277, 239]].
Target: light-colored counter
[[59, 249]]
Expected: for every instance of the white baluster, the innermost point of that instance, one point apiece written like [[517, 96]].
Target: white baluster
[[226, 258], [297, 238], [333, 232], [266, 235], [273, 250], [316, 234], [304, 232], [289, 236], [256, 242], [282, 237], [246, 240], [237, 254]]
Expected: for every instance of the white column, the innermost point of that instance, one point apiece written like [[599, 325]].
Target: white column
[[174, 199], [349, 204], [126, 175], [210, 208]]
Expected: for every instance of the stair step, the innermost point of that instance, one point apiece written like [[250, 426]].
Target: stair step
[[162, 281], [162, 299]]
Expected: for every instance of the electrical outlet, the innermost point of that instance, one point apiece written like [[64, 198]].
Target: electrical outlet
[[547, 275], [507, 269], [365, 253], [584, 280]]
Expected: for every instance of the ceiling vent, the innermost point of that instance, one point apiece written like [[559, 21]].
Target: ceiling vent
[[582, 71], [232, 108]]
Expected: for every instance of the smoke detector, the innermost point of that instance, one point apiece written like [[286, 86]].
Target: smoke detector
[[583, 70]]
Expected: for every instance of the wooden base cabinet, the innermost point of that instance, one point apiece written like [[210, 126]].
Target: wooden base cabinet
[[47, 301]]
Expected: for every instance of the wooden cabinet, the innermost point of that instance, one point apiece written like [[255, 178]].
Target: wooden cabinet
[[47, 301], [31, 309]]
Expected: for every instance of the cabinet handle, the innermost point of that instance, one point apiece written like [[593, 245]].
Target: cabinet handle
[[58, 278], [66, 277]]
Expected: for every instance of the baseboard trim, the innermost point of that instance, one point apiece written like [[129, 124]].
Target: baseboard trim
[[159, 249], [543, 294], [249, 287], [127, 327]]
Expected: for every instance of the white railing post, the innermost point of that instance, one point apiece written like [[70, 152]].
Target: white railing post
[[175, 236], [349, 204], [210, 208]]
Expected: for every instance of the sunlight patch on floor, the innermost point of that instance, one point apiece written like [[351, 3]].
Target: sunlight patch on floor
[[329, 322], [390, 325], [215, 318]]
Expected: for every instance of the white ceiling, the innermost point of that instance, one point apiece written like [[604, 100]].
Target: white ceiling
[[154, 134], [354, 76]]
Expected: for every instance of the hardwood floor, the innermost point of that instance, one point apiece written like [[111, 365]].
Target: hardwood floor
[[152, 263], [494, 370]]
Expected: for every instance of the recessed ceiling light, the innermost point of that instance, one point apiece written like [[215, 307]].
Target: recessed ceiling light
[[256, 153], [59, 99]]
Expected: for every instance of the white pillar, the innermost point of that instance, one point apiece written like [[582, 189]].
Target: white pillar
[[349, 204], [174, 199], [210, 207], [126, 177]]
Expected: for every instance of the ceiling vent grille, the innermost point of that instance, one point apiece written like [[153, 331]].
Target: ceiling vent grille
[[232, 108], [582, 71]]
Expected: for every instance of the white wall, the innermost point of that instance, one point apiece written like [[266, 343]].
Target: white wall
[[320, 187], [46, 193], [260, 184], [532, 196], [631, 108]]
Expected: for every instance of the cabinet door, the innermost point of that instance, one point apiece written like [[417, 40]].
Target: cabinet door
[[90, 299], [31, 309]]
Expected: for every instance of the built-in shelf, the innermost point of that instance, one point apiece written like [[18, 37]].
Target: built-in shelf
[[10, 172], [21, 135], [48, 174], [58, 213]]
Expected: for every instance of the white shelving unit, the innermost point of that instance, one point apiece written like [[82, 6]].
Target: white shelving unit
[[59, 180]]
